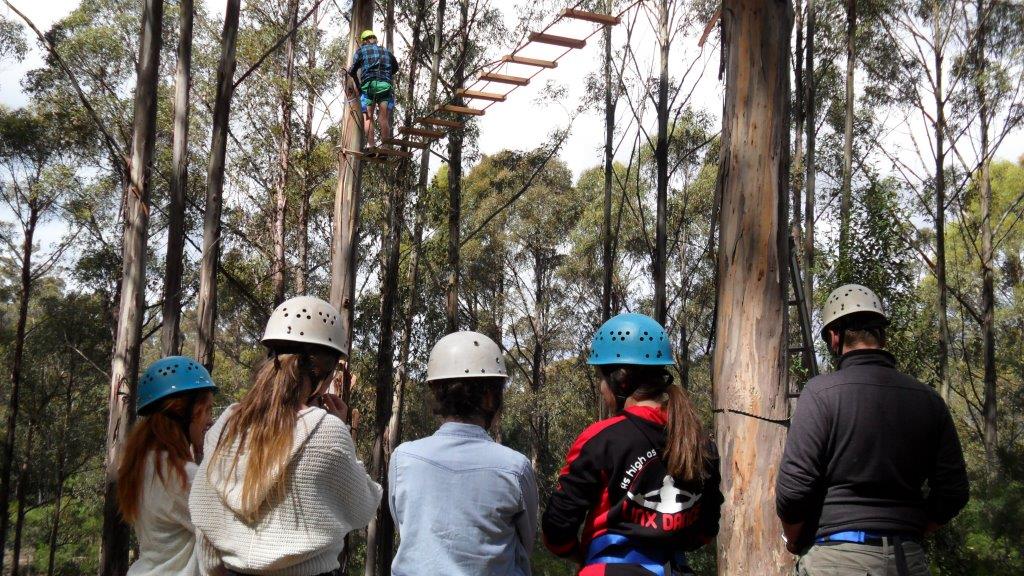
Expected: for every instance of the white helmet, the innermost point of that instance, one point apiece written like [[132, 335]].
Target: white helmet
[[465, 355], [850, 299], [305, 320]]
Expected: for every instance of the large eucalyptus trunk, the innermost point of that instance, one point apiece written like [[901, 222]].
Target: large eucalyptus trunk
[[170, 336], [284, 152], [124, 371], [207, 308], [750, 397], [346, 197], [16, 370], [846, 193]]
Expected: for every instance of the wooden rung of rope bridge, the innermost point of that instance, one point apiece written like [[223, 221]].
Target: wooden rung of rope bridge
[[478, 95], [440, 122], [399, 143], [591, 16], [493, 76], [503, 79], [516, 59], [452, 108], [421, 132], [554, 40]]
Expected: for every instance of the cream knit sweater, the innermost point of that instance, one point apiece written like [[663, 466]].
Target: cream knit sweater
[[164, 530], [328, 494]]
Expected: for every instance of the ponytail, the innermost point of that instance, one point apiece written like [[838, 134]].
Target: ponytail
[[686, 443], [686, 446]]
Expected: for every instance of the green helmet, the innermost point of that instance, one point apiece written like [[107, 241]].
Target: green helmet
[[367, 34]]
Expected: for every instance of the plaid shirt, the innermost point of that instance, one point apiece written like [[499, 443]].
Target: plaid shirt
[[373, 62]]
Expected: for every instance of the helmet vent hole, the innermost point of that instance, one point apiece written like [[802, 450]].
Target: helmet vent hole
[[475, 343], [467, 370], [618, 355], [627, 332], [647, 355], [302, 333]]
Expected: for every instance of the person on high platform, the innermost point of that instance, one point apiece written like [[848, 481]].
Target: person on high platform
[[373, 70], [643, 484]]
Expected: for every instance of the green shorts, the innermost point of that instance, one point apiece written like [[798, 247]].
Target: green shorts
[[374, 92]]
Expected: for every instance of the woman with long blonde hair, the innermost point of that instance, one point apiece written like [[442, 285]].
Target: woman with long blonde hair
[[282, 485], [159, 463], [642, 484]]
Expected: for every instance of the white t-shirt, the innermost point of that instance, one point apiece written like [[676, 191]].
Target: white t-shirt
[[166, 536]]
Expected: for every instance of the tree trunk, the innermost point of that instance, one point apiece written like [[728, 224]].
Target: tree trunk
[[170, 337], [346, 197], [988, 336], [124, 371], [19, 519], [798, 133], [58, 500], [751, 274], [284, 151], [846, 193], [207, 308], [537, 367], [380, 536], [302, 275], [940, 205], [810, 122], [455, 138], [661, 160], [16, 369], [607, 259], [381, 531]]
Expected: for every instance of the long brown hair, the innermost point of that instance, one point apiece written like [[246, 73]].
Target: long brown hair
[[263, 425], [163, 431], [686, 444]]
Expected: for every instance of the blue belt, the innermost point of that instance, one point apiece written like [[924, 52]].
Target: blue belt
[[617, 549], [853, 536]]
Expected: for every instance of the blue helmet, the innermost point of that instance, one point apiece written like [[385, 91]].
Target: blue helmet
[[631, 339], [169, 376]]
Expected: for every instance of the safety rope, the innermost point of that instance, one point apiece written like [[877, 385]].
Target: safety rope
[[779, 421]]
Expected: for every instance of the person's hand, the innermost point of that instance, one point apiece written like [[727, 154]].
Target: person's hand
[[792, 535], [334, 405]]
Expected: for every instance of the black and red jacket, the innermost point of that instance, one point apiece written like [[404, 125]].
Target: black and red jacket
[[614, 482]]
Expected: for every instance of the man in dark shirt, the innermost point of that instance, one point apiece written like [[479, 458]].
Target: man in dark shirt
[[862, 444], [373, 69]]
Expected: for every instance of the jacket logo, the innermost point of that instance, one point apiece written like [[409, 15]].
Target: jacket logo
[[666, 500]]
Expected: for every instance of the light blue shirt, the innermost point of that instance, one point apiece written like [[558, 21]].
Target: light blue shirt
[[463, 504]]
